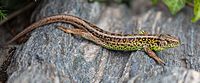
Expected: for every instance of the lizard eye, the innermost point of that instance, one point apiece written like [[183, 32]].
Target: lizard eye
[[168, 34]]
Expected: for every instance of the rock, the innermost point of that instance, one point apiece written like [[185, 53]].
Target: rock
[[50, 55]]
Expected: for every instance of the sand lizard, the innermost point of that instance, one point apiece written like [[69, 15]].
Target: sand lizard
[[114, 41]]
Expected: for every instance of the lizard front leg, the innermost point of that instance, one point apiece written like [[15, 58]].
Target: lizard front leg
[[143, 32], [153, 55]]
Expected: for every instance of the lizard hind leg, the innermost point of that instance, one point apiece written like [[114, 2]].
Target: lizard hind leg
[[71, 31], [82, 33]]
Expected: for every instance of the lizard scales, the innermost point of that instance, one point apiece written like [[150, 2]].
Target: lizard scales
[[113, 41]]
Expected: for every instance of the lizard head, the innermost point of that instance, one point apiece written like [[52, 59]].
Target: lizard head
[[168, 41]]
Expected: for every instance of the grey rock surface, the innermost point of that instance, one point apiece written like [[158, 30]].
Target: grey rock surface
[[50, 55]]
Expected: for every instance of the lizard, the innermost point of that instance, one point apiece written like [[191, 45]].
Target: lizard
[[150, 43]]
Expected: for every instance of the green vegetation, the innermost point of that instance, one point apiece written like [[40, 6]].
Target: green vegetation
[[176, 5], [196, 11], [2, 14], [9, 6]]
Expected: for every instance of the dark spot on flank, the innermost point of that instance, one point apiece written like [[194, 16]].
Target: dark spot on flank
[[105, 42], [124, 40], [156, 43], [143, 39], [135, 40], [107, 38], [138, 39], [117, 44], [100, 36], [125, 46], [128, 45]]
